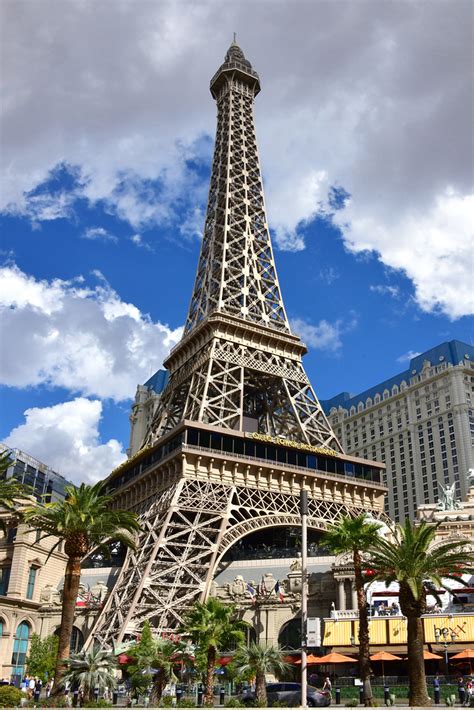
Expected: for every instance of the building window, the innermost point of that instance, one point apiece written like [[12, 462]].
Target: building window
[[4, 580], [20, 649], [30, 590], [11, 535]]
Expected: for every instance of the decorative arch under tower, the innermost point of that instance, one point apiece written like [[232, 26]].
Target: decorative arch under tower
[[239, 430]]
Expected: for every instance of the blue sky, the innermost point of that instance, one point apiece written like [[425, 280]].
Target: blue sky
[[108, 148]]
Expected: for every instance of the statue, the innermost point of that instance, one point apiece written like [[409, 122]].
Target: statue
[[295, 565], [448, 501], [268, 584], [238, 587], [99, 591], [470, 478]]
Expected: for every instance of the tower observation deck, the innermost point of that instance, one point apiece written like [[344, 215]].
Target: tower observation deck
[[238, 430]]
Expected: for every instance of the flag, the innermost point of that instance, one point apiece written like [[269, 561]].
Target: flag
[[252, 591], [279, 591]]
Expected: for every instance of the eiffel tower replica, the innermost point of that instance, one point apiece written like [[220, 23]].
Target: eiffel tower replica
[[239, 430]]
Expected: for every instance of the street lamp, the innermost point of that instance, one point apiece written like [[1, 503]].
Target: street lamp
[[442, 635], [304, 594]]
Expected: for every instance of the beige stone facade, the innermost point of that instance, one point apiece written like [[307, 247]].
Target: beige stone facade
[[30, 602], [25, 573]]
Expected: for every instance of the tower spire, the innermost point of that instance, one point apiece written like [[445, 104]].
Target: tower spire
[[238, 365]]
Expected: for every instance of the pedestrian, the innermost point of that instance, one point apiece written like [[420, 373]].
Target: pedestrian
[[469, 693], [327, 684], [461, 690]]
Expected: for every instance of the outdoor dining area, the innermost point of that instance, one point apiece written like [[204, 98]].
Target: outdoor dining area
[[389, 670]]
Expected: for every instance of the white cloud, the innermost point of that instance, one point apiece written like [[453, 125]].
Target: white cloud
[[66, 437], [322, 336], [408, 356], [370, 96], [433, 248], [329, 275], [86, 340], [139, 242], [392, 291], [99, 234]]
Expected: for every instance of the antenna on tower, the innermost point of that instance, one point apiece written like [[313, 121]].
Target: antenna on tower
[[234, 41]]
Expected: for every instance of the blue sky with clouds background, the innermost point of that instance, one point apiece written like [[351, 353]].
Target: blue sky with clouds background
[[364, 125]]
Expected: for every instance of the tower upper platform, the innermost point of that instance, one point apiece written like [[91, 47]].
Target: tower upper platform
[[235, 64]]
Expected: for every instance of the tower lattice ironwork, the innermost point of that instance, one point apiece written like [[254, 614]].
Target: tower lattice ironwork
[[239, 430], [238, 364]]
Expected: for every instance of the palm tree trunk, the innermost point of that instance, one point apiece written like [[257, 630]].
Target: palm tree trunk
[[364, 638], [209, 689], [158, 687], [71, 587], [417, 694], [261, 688]]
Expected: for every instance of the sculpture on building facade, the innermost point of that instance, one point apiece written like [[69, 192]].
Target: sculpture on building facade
[[448, 500]]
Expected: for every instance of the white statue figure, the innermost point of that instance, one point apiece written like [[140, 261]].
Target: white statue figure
[[238, 587], [470, 478], [448, 501], [295, 565]]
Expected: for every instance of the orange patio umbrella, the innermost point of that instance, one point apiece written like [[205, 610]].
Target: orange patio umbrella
[[428, 656], [384, 656], [466, 655], [335, 657], [310, 660]]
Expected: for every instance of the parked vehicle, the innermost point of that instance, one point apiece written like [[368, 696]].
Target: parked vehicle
[[290, 694]]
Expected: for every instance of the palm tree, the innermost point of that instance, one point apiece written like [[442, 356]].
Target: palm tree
[[213, 626], [154, 660], [84, 520], [164, 661], [89, 670], [419, 565], [260, 659], [11, 491], [357, 536]]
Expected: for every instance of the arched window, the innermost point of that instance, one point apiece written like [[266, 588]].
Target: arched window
[[2, 624], [290, 634], [77, 639], [20, 649]]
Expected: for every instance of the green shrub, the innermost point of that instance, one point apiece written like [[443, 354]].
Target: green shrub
[[54, 702], [10, 697], [352, 703], [234, 703], [97, 704], [167, 701], [186, 703]]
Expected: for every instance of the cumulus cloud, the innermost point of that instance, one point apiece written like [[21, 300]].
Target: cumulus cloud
[[99, 234], [406, 357], [383, 290], [372, 97], [139, 242], [433, 248], [66, 437], [86, 340], [322, 335]]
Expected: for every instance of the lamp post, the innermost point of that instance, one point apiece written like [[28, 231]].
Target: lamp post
[[442, 635], [304, 593]]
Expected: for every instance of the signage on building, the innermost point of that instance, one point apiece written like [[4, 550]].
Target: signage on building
[[314, 631], [324, 450]]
